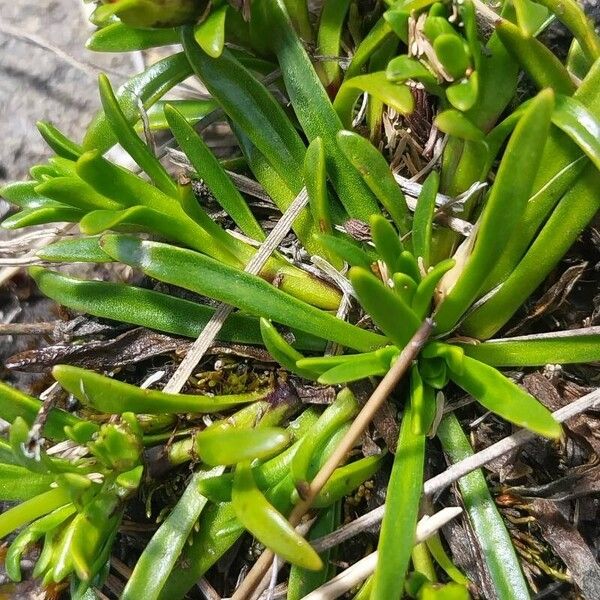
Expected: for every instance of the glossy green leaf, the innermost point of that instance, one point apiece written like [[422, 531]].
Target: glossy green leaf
[[571, 346], [422, 403], [210, 34], [389, 312], [27, 511], [360, 366], [108, 395], [70, 250], [204, 275], [74, 192], [463, 94], [193, 111], [30, 535], [401, 512], [387, 242], [208, 168], [120, 185], [118, 37], [23, 194], [348, 251], [150, 14], [572, 214], [315, 180], [405, 286], [17, 483], [129, 140], [41, 216], [375, 172], [312, 106], [59, 142], [529, 15], [514, 182], [456, 123], [231, 446], [147, 87], [503, 397], [329, 37], [14, 404], [424, 293], [539, 62], [423, 220], [346, 479], [281, 351], [138, 306], [301, 581], [579, 124], [577, 62], [395, 95], [163, 550], [572, 16], [267, 524], [343, 409], [251, 107], [495, 541], [451, 52], [403, 68]]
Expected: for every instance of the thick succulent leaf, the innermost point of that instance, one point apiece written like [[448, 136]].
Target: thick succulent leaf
[[312, 106], [17, 483], [24, 195], [204, 275], [571, 346], [267, 524], [329, 37], [75, 192], [210, 34], [375, 171], [108, 395], [138, 306], [29, 510], [579, 124], [193, 111], [488, 525], [397, 535], [342, 410], [572, 214], [251, 106], [503, 397], [540, 63], [231, 446], [161, 553], [208, 168], [346, 479], [59, 142], [283, 352], [505, 204], [387, 309], [43, 215], [423, 221], [71, 250], [147, 87], [129, 140], [457, 124], [396, 96], [118, 37], [387, 242]]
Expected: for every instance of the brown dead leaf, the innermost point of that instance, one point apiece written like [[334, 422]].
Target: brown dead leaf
[[570, 546]]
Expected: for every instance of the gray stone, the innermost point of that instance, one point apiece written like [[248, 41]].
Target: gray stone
[[37, 84]]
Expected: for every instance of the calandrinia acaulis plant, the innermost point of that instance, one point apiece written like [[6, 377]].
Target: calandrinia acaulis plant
[[251, 464]]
